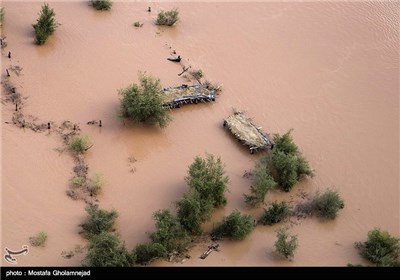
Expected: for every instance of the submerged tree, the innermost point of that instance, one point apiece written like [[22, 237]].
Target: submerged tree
[[148, 252], [169, 232], [80, 144], [101, 4], [236, 226], [207, 184], [381, 248], [287, 162], [193, 211], [328, 204], [144, 102], [108, 250], [275, 213], [98, 220], [39, 239], [206, 176], [46, 25], [262, 183], [167, 17], [286, 244]]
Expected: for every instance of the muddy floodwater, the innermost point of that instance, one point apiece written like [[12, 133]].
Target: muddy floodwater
[[329, 70]]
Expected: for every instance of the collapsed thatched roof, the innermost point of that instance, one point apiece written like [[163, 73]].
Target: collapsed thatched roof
[[182, 93], [245, 131]]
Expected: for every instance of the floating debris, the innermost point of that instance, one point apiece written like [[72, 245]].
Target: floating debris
[[211, 248], [16, 69]]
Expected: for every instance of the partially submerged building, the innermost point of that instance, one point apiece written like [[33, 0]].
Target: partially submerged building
[[247, 133], [184, 94]]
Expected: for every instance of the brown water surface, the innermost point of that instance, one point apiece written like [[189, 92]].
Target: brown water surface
[[329, 70]]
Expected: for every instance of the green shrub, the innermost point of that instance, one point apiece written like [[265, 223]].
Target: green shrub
[[284, 143], [287, 162], [275, 213], [78, 181], [235, 226], [98, 220], [96, 183], [1, 16], [148, 252], [303, 167], [328, 204], [286, 167], [169, 232], [193, 211], [381, 248], [167, 17], [262, 183], [80, 144], [46, 25], [286, 244], [144, 102], [39, 239], [103, 5], [206, 176], [107, 250], [137, 24]]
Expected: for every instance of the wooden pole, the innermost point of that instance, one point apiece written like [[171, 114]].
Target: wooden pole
[[184, 70]]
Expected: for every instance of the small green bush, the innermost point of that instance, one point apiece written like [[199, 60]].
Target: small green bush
[[381, 248], [1, 16], [193, 211], [78, 181], [328, 204], [80, 144], [303, 167], [144, 102], [39, 239], [288, 163], [169, 232], [286, 244], [98, 220], [46, 25], [102, 5], [148, 252], [262, 183], [96, 184], [107, 250], [286, 166], [285, 144], [167, 17], [206, 176], [235, 226], [275, 213]]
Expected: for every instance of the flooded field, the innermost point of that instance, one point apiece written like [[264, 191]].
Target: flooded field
[[330, 71]]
